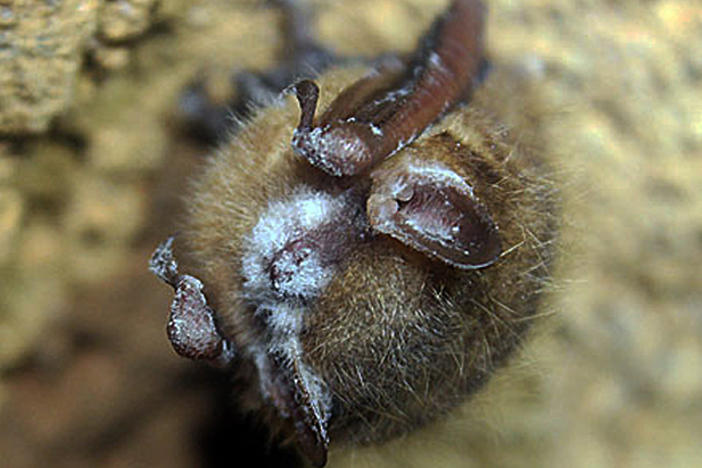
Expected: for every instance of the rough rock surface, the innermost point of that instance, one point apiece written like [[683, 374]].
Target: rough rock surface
[[86, 374], [41, 51]]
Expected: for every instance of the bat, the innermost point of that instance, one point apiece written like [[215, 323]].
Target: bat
[[370, 246]]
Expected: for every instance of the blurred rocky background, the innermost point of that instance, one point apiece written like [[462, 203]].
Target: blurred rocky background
[[93, 163]]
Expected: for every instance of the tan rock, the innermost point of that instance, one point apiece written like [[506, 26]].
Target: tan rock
[[11, 211], [124, 19], [39, 59]]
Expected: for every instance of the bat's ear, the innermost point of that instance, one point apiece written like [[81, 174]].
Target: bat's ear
[[427, 206]]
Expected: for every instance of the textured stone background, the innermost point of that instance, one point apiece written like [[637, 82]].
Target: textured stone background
[[92, 164]]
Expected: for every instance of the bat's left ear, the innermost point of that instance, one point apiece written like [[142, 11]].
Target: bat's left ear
[[427, 206]]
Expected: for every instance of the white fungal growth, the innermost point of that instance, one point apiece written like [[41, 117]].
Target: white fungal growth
[[439, 175], [278, 260], [285, 324], [375, 129], [283, 267], [435, 61], [332, 148]]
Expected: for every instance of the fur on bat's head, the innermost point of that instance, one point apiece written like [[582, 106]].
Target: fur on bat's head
[[372, 266]]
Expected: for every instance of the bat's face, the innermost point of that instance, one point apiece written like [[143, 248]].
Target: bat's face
[[371, 272], [375, 310]]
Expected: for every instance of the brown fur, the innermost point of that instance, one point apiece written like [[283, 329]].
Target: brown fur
[[399, 339]]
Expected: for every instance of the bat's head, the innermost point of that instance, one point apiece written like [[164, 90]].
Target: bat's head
[[371, 267], [368, 305]]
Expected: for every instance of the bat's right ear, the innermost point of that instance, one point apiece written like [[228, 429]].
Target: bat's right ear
[[430, 208]]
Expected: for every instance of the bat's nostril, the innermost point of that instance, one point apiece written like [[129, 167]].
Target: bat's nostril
[[289, 263]]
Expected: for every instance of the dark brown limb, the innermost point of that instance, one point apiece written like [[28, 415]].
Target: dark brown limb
[[384, 112], [307, 93]]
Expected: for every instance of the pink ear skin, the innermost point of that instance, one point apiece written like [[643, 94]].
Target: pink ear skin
[[377, 116], [191, 327], [427, 206]]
